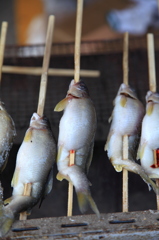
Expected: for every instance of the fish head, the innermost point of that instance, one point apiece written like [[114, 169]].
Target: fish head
[[152, 97], [78, 90], [127, 91], [39, 122]]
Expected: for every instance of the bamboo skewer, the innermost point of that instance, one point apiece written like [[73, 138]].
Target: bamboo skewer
[[76, 79], [42, 93], [125, 176], [125, 137], [2, 45], [152, 86], [70, 186], [125, 58], [46, 59], [151, 62], [51, 71], [78, 39]]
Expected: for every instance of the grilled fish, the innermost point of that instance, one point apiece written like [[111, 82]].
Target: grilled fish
[[7, 135], [34, 164], [126, 119], [76, 133], [150, 136]]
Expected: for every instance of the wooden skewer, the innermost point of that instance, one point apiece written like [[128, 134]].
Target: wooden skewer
[[125, 58], [42, 94], [78, 39], [152, 86], [125, 137], [2, 45], [151, 62], [46, 59], [70, 187], [76, 79], [125, 176], [51, 71]]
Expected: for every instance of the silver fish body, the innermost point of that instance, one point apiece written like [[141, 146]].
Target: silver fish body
[[34, 165], [126, 120], [76, 132], [150, 135], [7, 135], [127, 117]]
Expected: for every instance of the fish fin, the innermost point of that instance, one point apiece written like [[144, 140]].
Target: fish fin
[[123, 101], [61, 105], [6, 221], [5, 225], [108, 139], [59, 153], [149, 109], [49, 183], [59, 176], [141, 150], [118, 168], [110, 118], [93, 205], [15, 178], [6, 161], [48, 187], [138, 153], [84, 200], [7, 201], [89, 158], [28, 135]]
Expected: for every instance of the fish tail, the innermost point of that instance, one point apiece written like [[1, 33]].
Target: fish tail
[[77, 177], [6, 219], [93, 205], [84, 200], [6, 223], [149, 182], [136, 168]]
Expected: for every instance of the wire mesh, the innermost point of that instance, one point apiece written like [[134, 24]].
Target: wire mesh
[[20, 92], [20, 95]]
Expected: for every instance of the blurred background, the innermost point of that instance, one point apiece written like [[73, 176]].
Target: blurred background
[[104, 22], [102, 19]]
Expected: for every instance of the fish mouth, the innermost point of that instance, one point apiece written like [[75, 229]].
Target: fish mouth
[[126, 95], [37, 119], [69, 95], [78, 89]]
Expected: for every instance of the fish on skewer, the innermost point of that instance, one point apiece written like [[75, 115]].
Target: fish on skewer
[[34, 164], [126, 119], [7, 135], [76, 133], [149, 141]]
